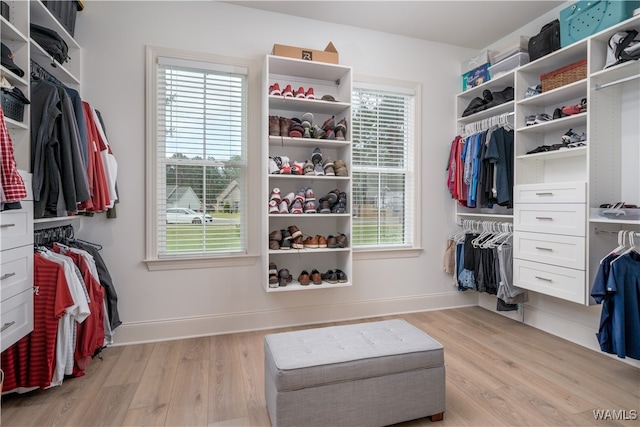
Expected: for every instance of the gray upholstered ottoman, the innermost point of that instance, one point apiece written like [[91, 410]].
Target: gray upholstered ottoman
[[366, 374]]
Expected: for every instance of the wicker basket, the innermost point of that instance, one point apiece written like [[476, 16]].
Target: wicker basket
[[563, 76], [12, 107]]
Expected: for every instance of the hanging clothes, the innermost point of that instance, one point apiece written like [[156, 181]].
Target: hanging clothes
[[617, 288], [12, 187]]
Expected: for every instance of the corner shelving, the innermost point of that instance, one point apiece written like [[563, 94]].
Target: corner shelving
[[325, 79]]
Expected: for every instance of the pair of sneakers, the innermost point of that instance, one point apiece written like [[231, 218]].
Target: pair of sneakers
[[274, 90], [536, 119]]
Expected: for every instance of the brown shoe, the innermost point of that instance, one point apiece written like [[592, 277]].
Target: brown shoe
[[304, 278], [275, 235], [274, 126], [285, 125], [316, 277], [295, 232], [311, 242], [274, 245], [298, 243], [332, 242], [322, 241]]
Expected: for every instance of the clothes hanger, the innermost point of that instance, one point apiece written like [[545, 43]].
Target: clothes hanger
[[621, 245], [632, 245]]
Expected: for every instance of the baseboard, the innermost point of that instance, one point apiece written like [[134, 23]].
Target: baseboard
[[172, 329]]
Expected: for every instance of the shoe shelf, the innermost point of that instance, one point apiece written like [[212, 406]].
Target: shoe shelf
[[553, 125], [556, 97], [335, 82], [562, 153]]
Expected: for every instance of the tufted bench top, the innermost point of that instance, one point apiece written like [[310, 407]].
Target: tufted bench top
[[313, 357]]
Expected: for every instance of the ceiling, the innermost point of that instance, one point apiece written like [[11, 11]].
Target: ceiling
[[473, 23]]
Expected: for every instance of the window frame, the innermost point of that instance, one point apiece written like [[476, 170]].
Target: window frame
[[415, 88], [212, 260]]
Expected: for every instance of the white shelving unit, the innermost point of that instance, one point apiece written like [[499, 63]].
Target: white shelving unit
[[557, 194], [325, 79]]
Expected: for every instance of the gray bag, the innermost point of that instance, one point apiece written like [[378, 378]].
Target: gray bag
[[623, 47]]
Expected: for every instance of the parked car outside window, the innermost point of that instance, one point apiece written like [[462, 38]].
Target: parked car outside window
[[186, 216]]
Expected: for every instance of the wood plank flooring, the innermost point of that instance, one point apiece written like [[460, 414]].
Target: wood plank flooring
[[499, 373]]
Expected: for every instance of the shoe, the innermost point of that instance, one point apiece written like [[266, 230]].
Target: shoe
[[317, 132], [274, 125], [340, 168], [296, 207], [322, 241], [325, 207], [285, 243], [311, 242], [300, 93], [275, 236], [329, 124], [316, 277], [308, 168], [339, 208], [273, 275], [341, 130], [297, 168], [274, 90], [332, 242], [542, 118], [316, 156], [533, 91], [530, 120], [285, 169], [283, 208], [330, 134], [289, 198], [332, 196], [285, 125], [273, 166], [273, 207], [309, 94], [328, 167], [558, 114], [571, 110], [303, 278], [318, 170], [330, 276], [275, 195], [294, 231], [308, 195], [284, 277], [296, 130], [287, 92], [297, 243], [310, 207], [341, 276], [540, 149], [274, 245], [307, 119], [341, 241]]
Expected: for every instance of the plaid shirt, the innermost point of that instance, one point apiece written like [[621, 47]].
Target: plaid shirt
[[11, 184]]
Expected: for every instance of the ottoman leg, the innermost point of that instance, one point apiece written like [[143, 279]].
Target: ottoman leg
[[437, 417]]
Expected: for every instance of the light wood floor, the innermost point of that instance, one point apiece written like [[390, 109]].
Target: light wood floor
[[499, 373]]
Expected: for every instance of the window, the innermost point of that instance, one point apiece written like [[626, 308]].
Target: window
[[385, 150], [197, 127]]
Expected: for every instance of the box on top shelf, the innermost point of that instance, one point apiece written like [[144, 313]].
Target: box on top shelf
[[510, 63], [329, 54], [588, 17], [475, 77], [65, 12], [519, 46], [475, 62]]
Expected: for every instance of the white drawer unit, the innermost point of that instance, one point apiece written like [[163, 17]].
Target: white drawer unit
[[16, 271], [568, 219], [560, 282], [552, 192], [564, 251], [16, 226], [16, 319]]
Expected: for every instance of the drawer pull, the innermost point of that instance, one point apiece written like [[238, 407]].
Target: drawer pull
[[544, 249], [7, 225], [6, 276], [547, 193], [546, 218], [544, 278], [7, 325]]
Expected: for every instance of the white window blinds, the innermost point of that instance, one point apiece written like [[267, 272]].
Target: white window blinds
[[201, 158], [383, 176]]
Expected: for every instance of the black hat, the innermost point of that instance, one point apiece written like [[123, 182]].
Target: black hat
[[7, 61]]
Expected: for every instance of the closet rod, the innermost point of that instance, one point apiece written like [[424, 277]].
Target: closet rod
[[485, 123], [615, 82], [597, 231]]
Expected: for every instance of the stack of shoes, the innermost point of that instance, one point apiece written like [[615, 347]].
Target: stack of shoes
[[273, 275], [274, 90], [334, 202], [274, 201], [316, 159], [341, 130], [536, 119]]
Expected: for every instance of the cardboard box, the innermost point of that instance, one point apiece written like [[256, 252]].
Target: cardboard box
[[475, 77], [329, 54]]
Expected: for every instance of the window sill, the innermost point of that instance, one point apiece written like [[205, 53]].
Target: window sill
[[386, 253], [190, 263]]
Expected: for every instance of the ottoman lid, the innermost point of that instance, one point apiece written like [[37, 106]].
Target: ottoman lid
[[339, 353]]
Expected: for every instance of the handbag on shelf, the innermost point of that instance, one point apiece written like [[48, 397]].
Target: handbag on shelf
[[546, 41]]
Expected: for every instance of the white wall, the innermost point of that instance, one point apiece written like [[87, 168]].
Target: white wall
[[169, 304]]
